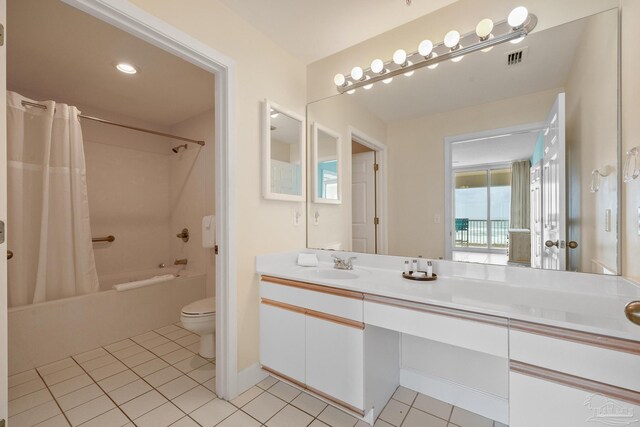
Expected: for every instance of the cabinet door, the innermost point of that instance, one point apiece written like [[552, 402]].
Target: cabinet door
[[335, 361], [282, 341], [535, 402]]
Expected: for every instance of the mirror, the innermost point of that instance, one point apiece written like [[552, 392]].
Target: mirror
[[326, 165], [284, 154], [508, 156]]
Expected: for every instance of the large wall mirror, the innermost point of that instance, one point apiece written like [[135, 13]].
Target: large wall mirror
[[508, 156]]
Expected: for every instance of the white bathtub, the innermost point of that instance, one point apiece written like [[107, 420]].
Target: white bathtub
[[50, 331]]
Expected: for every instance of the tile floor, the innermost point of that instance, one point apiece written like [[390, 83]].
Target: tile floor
[[157, 379]]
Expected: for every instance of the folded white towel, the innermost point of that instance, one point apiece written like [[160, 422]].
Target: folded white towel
[[142, 283], [308, 260]]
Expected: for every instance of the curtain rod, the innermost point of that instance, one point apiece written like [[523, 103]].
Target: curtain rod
[[122, 125]]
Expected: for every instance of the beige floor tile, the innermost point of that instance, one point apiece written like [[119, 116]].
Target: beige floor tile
[[337, 418], [150, 367], [263, 407], [189, 364], [177, 356], [23, 377], [176, 387], [98, 362], [90, 355], [247, 397], [119, 345], [108, 370], [26, 388], [188, 340], [465, 418], [193, 399], [79, 397], [195, 347], [112, 418], [433, 406], [318, 423], [161, 416], [56, 366], [284, 391], [405, 395], [145, 337], [210, 384], [417, 418], [180, 333], [394, 412], [162, 376], [62, 375], [168, 329], [185, 422], [57, 421], [29, 401], [309, 404], [154, 342], [239, 419], [130, 391], [68, 386], [35, 415], [89, 410], [267, 383], [139, 358], [142, 404], [213, 413], [128, 351], [290, 416], [118, 380], [167, 348], [203, 373]]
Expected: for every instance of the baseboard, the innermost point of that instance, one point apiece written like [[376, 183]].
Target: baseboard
[[477, 401], [249, 377]]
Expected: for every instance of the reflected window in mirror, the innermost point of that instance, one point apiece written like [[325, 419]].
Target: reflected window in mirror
[[284, 156], [326, 165]]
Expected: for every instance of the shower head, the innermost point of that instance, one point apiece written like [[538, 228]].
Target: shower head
[[177, 149]]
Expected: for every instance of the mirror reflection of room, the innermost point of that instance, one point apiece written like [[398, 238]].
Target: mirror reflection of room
[[497, 158]]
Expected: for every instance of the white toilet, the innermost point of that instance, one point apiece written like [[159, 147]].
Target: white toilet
[[200, 317]]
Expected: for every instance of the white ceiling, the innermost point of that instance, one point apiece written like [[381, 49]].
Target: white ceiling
[[498, 149], [479, 78], [312, 30], [60, 53]]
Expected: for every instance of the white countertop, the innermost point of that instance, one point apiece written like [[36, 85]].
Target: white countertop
[[582, 302]]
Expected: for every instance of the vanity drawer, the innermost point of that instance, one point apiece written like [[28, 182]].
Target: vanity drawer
[[603, 359], [324, 299], [477, 332]]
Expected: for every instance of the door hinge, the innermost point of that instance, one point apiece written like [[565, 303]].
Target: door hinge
[[376, 167], [1, 234], [1, 44], [376, 221], [215, 249]]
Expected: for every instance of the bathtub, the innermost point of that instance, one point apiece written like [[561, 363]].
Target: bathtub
[[49, 331]]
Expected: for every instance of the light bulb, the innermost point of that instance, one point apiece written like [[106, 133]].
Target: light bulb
[[357, 73], [452, 39], [123, 67], [377, 66], [433, 66], [518, 40], [409, 73], [488, 49], [425, 48], [339, 80], [484, 28], [400, 57], [517, 17]]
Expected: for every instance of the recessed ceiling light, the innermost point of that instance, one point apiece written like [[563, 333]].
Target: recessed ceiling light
[[123, 67]]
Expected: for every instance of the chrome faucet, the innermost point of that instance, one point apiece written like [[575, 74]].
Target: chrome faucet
[[343, 264]]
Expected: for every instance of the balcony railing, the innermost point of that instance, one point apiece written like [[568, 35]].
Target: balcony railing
[[473, 233]]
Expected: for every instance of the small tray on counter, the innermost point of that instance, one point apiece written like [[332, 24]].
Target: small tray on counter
[[420, 279]]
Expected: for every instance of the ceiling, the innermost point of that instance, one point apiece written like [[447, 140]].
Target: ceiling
[[312, 30], [480, 77], [498, 149], [57, 52]]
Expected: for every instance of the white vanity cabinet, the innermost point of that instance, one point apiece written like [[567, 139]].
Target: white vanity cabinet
[[560, 377]]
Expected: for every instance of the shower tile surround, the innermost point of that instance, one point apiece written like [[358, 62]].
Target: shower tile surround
[[142, 381]]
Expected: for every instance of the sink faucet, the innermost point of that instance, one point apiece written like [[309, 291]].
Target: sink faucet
[[343, 264]]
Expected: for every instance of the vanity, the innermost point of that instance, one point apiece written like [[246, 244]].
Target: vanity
[[523, 347]]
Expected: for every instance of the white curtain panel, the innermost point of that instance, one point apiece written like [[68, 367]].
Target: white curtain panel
[[48, 219], [520, 195]]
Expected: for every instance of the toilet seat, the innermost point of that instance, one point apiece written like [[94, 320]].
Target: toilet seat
[[201, 308]]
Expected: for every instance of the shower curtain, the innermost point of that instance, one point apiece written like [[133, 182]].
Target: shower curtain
[[48, 218], [520, 195]]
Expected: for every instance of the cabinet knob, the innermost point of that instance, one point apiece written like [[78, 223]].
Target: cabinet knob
[[572, 244], [551, 243], [632, 311], [9, 254]]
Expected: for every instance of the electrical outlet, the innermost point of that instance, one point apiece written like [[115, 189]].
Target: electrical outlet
[[316, 218], [296, 217], [436, 219]]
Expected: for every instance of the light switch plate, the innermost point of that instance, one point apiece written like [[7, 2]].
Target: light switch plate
[[607, 220]]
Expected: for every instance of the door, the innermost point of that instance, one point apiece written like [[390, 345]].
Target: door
[[335, 360], [363, 198], [3, 218], [554, 227], [282, 341]]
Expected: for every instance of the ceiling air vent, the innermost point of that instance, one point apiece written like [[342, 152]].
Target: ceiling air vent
[[516, 57]]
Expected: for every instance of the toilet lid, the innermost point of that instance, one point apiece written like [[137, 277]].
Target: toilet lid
[[200, 307]]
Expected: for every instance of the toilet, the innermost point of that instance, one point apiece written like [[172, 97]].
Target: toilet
[[199, 317]]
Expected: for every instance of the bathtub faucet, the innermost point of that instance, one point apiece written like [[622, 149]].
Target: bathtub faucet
[[180, 262]]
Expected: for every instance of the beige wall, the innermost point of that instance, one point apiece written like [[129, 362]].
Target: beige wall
[[630, 134], [192, 194], [591, 107], [264, 70], [340, 115], [416, 166]]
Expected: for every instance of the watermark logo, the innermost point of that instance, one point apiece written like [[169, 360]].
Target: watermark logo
[[608, 411]]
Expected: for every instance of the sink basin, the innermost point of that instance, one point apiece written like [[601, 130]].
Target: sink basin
[[332, 274]]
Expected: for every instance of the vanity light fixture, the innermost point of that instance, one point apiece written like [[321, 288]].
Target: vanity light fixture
[[454, 47], [123, 67]]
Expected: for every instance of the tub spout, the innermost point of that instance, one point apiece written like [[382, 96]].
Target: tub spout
[[180, 262]]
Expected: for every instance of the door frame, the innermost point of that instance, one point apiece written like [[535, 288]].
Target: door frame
[[382, 189], [135, 21], [449, 142]]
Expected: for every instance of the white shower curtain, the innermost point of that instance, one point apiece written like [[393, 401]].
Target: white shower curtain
[[48, 218]]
